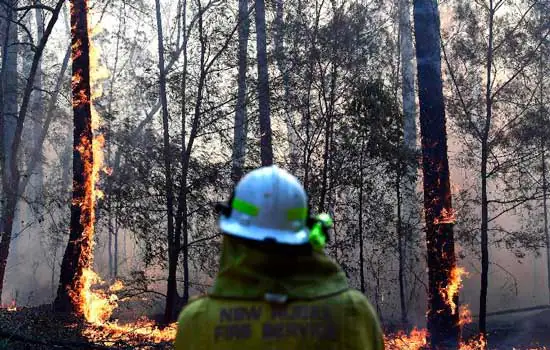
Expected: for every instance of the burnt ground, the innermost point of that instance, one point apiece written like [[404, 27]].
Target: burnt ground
[[39, 328], [522, 330]]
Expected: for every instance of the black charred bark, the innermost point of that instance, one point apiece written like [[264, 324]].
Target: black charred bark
[[443, 325], [75, 259]]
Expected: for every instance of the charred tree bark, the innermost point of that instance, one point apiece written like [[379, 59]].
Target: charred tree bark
[[443, 325], [78, 255], [266, 148], [241, 123]]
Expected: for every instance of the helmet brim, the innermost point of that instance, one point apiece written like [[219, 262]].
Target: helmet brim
[[235, 228]]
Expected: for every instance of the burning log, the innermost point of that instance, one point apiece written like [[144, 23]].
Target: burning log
[[78, 254]]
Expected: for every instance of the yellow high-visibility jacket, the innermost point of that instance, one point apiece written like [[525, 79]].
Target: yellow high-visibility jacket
[[271, 301]]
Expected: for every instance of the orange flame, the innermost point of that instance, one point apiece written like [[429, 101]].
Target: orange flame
[[448, 216], [12, 306], [112, 332], [451, 290], [465, 315], [476, 343], [418, 339], [97, 305]]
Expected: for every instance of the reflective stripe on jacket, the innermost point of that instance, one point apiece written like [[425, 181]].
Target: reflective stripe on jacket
[[316, 309]]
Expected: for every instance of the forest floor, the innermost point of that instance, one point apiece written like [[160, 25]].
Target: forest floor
[[528, 330], [39, 328]]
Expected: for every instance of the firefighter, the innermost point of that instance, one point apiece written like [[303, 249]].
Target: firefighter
[[276, 289]]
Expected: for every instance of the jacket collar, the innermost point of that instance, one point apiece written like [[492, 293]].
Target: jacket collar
[[250, 271]]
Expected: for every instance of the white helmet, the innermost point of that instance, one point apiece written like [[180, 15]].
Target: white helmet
[[268, 204]]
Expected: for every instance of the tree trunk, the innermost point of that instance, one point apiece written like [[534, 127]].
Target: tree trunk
[[443, 325], [544, 119], [37, 175], [51, 113], [361, 253], [187, 156], [78, 254], [401, 251], [266, 148], [112, 233], [9, 83], [484, 200], [409, 213], [181, 217], [281, 59], [171, 292], [328, 129], [545, 208], [241, 123], [407, 75]]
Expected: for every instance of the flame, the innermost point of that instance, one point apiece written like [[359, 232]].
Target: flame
[[465, 315], [12, 306], [143, 329], [447, 216], [451, 290], [476, 343], [97, 305], [416, 340]]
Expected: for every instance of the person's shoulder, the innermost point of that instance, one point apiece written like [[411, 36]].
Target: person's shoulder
[[359, 302], [194, 307]]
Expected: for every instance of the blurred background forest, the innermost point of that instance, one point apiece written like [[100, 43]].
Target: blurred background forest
[[194, 93]]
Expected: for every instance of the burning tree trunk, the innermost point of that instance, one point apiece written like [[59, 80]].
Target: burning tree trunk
[[78, 256], [443, 326]]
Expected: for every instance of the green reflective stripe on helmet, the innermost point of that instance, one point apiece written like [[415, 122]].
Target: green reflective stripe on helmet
[[297, 214], [245, 207]]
